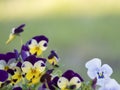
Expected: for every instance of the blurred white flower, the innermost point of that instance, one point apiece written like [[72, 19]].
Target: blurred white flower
[[96, 70], [111, 84]]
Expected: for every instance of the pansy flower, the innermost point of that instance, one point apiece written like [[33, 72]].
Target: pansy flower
[[15, 32], [7, 61], [69, 81], [33, 68], [53, 58], [37, 45], [95, 70]]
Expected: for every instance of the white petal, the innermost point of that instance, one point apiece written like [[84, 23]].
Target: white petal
[[33, 43], [39, 66], [107, 70], [111, 85], [41, 44], [11, 61], [26, 66], [93, 64], [2, 64], [91, 74]]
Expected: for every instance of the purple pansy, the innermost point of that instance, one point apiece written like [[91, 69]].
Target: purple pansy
[[70, 80], [37, 45], [53, 58]]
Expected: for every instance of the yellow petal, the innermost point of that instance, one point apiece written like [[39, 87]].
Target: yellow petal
[[11, 37], [17, 76], [53, 61]]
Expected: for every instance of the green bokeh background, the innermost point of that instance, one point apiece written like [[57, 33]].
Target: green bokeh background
[[76, 38]]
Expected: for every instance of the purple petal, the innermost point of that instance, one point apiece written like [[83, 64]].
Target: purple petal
[[10, 71], [25, 48], [52, 54], [17, 88], [68, 74], [10, 55], [16, 53], [2, 57], [41, 37], [94, 83], [24, 52], [19, 29], [32, 59], [78, 75], [19, 64], [3, 75]]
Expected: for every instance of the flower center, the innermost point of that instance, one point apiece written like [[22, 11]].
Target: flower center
[[100, 75], [37, 48], [33, 71], [6, 68]]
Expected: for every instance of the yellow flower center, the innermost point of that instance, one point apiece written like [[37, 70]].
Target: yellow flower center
[[6, 68], [37, 48]]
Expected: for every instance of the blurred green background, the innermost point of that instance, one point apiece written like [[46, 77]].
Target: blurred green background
[[79, 30]]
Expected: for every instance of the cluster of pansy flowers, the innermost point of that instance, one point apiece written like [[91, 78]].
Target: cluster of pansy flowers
[[29, 70]]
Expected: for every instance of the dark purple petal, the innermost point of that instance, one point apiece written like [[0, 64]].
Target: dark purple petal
[[10, 71], [78, 75], [42, 59], [19, 29], [3, 75], [25, 48], [49, 71], [41, 37], [52, 84], [94, 83], [54, 54], [17, 88], [68, 74], [42, 88], [10, 55], [45, 78], [24, 54], [16, 53], [55, 80], [32, 59], [19, 64], [2, 57]]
